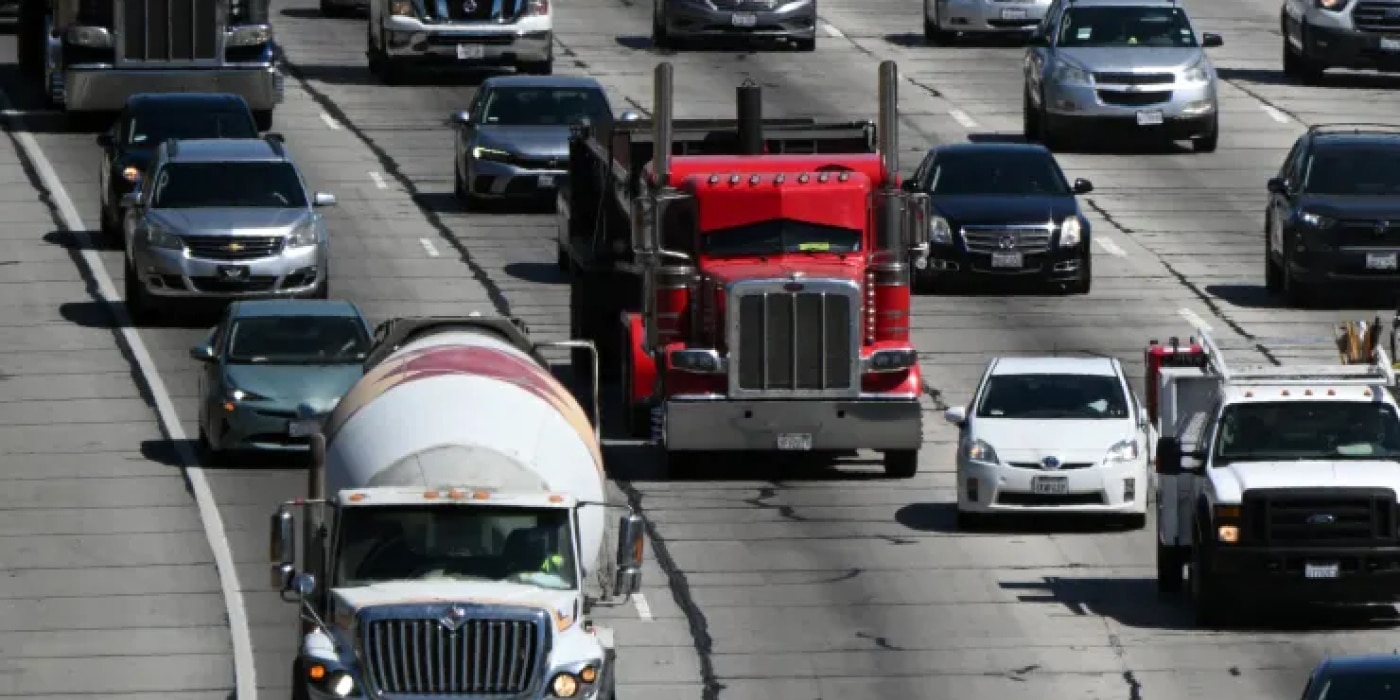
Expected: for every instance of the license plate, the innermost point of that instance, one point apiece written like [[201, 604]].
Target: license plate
[[467, 52], [1013, 14], [1388, 44], [1009, 260], [744, 19], [233, 272], [795, 441], [1152, 118], [1328, 570], [303, 428], [1050, 485], [546, 181], [1380, 261]]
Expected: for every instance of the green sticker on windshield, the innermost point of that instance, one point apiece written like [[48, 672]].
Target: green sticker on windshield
[[820, 246]]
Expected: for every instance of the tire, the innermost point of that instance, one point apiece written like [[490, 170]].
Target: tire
[[1030, 120], [299, 691], [1049, 136], [137, 305], [1299, 66], [1169, 563], [111, 227], [323, 291], [1211, 606], [263, 119], [1208, 142], [934, 34], [581, 360], [1295, 294], [1273, 274], [805, 45], [900, 464], [660, 38]]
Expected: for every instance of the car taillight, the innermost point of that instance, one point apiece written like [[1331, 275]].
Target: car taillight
[[537, 7]]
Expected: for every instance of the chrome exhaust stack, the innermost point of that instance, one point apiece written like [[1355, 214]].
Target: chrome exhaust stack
[[661, 128], [887, 124]]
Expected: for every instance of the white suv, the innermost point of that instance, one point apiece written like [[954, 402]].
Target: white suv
[[1052, 435]]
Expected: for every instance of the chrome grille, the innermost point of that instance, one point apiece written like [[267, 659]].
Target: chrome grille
[[164, 31], [233, 248], [1311, 517], [1135, 78], [483, 657], [1001, 239], [796, 342], [1380, 17]]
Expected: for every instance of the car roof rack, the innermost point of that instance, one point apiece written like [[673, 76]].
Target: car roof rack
[[1378, 371], [1352, 128]]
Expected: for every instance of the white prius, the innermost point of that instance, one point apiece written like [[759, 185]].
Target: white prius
[[1052, 435]]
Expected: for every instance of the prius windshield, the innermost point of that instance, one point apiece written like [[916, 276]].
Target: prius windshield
[[1307, 430], [298, 340], [456, 543], [1065, 396], [777, 237]]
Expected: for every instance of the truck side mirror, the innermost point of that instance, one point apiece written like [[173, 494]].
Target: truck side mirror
[[631, 550], [304, 584], [202, 353], [916, 217], [283, 549], [131, 200], [1168, 456]]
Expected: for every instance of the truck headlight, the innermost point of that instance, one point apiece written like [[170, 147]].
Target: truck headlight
[[157, 237], [250, 35], [1125, 451], [939, 231], [697, 361], [1227, 528], [401, 8], [1071, 232], [131, 173], [303, 236], [979, 451], [891, 360], [90, 37], [342, 685], [564, 685]]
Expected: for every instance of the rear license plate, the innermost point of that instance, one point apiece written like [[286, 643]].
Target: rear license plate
[[303, 428], [1149, 118], [1327, 570], [233, 273], [744, 19], [1380, 261], [546, 181], [1050, 485], [1013, 14], [468, 52], [1388, 44], [799, 442], [1008, 260]]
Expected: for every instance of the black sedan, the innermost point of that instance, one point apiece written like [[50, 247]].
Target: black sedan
[[148, 120], [1366, 677], [1002, 212]]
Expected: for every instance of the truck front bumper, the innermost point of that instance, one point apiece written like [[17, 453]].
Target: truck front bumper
[[720, 424], [105, 89], [1364, 574]]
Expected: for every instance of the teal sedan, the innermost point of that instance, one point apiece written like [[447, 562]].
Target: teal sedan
[[273, 370]]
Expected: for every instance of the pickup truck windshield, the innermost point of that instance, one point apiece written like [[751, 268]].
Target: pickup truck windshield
[[779, 236], [1307, 430], [456, 543], [297, 340], [1068, 396], [238, 184], [1361, 686]]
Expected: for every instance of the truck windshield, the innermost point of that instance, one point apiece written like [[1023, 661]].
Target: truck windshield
[[1307, 430], [456, 543], [206, 185], [1068, 396], [298, 340], [779, 236], [1361, 686]]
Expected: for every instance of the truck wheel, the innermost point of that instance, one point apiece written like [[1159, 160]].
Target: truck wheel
[[901, 464], [299, 691], [1169, 563], [263, 119], [1211, 607]]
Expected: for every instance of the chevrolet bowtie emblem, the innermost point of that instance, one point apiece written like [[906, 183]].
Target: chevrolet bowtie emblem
[[233, 247]]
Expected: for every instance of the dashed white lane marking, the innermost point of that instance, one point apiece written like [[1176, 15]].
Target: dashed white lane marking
[[428, 247], [330, 121], [378, 180], [830, 30], [1110, 246], [963, 118], [1192, 318], [1275, 114], [639, 601], [245, 677]]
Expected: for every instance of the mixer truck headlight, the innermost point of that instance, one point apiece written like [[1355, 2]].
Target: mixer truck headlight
[[341, 684], [564, 685], [698, 361], [891, 360]]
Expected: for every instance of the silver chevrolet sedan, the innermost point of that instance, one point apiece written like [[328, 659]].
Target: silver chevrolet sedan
[[677, 23], [945, 19]]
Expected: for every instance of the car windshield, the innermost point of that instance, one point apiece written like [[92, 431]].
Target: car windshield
[[205, 185], [1126, 26], [779, 236], [540, 106], [1025, 173], [154, 126], [1361, 686], [1070, 396], [1307, 430], [456, 543], [1369, 170], [298, 340]]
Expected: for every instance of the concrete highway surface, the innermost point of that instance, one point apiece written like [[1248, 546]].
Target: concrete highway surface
[[763, 583]]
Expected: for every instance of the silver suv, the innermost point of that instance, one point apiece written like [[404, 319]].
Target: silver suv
[[223, 219], [1354, 34], [1133, 66]]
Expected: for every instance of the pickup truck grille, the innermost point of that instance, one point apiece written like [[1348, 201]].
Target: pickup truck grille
[[233, 248], [796, 341], [1375, 16], [1340, 517], [164, 31], [1001, 239], [483, 657]]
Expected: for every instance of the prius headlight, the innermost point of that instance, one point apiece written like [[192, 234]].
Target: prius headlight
[[979, 451], [1125, 451]]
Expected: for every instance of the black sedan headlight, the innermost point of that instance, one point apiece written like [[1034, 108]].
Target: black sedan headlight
[[497, 155]]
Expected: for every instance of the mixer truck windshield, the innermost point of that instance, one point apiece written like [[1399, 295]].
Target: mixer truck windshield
[[298, 340], [779, 236], [457, 543]]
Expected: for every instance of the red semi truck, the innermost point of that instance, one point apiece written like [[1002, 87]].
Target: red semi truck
[[748, 281]]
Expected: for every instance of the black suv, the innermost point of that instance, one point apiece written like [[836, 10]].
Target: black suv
[[1334, 212]]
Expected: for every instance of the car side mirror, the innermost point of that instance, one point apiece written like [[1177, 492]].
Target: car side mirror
[[1082, 186], [283, 549], [956, 415], [463, 118], [105, 140], [910, 185], [1210, 41], [1277, 185], [631, 550], [131, 200], [1171, 458], [202, 353], [323, 199], [1037, 39]]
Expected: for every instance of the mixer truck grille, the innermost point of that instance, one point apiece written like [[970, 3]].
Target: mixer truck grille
[[476, 656], [796, 342]]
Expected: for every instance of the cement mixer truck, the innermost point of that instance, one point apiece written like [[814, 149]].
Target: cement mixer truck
[[455, 516]]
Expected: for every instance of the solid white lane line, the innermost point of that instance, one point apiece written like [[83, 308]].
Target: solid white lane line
[[244, 673], [1193, 318], [1277, 115], [963, 118], [428, 247], [639, 601], [830, 30], [1110, 247], [378, 180], [330, 121]]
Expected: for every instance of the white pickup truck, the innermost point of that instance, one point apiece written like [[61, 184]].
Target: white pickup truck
[[1274, 483]]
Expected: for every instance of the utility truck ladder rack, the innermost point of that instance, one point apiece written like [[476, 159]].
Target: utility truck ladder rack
[[1377, 371]]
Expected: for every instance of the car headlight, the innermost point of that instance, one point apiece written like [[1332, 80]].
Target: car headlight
[[235, 394], [1125, 451], [303, 236], [494, 154], [1315, 220], [939, 231], [1071, 233], [401, 8], [157, 237], [1196, 73], [1066, 74], [131, 173], [250, 35], [338, 683], [564, 685], [979, 451], [342, 685], [1333, 5]]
